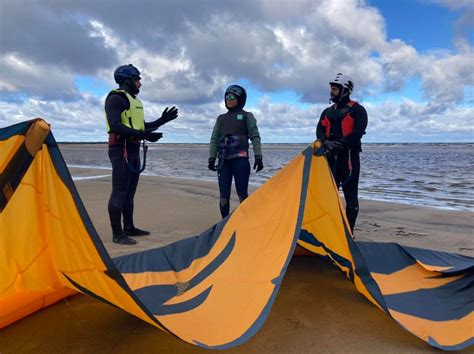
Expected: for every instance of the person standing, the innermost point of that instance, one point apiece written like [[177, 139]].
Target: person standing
[[340, 129], [127, 129], [229, 142]]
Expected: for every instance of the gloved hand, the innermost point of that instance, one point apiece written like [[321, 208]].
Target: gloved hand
[[333, 146], [211, 164], [166, 116], [150, 136], [258, 163]]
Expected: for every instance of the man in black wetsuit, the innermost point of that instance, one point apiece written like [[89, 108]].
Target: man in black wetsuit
[[127, 128], [340, 128]]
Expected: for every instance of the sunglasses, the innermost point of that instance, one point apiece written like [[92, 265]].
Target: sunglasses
[[230, 97]]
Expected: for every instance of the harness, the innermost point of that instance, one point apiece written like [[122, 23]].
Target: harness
[[125, 157], [230, 148], [116, 139]]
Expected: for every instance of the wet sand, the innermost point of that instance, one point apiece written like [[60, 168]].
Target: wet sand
[[317, 309]]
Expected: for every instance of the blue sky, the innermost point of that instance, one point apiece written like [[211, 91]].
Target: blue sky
[[412, 63], [425, 25]]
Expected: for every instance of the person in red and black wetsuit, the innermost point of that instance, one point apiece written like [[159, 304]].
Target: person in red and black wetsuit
[[340, 128]]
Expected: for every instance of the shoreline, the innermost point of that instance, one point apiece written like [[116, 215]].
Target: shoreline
[[85, 172], [176, 208]]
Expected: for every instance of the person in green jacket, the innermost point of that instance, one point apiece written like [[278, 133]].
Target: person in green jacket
[[229, 142]]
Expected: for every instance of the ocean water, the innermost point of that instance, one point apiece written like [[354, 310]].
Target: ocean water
[[435, 175]]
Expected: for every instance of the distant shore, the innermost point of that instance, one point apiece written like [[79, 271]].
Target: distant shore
[[174, 208]]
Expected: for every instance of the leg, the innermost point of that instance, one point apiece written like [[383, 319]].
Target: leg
[[241, 171], [127, 210], [120, 183], [128, 205], [350, 189], [225, 183], [332, 162]]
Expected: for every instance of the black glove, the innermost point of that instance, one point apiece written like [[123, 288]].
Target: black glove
[[258, 163], [166, 116], [211, 164], [150, 136], [333, 146]]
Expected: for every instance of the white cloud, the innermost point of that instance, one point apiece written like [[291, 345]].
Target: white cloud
[[189, 54]]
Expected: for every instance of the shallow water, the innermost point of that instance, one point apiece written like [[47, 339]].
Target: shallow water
[[436, 175]]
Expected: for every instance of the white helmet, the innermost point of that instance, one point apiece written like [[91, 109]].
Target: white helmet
[[345, 81]]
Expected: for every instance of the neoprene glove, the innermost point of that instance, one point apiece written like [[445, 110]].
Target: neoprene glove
[[150, 136], [333, 146], [258, 163], [166, 116], [211, 164]]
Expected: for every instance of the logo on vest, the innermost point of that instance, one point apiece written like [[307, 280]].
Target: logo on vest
[[240, 117]]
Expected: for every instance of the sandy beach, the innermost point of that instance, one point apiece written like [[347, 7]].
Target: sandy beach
[[316, 310]]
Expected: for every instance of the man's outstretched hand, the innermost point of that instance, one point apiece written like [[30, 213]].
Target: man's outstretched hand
[[168, 115]]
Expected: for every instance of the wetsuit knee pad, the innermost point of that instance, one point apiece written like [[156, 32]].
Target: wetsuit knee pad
[[354, 208], [352, 204], [223, 202], [117, 199]]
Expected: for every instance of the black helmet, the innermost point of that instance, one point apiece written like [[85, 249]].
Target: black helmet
[[125, 72], [240, 92]]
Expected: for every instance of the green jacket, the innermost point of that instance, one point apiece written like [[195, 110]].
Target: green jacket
[[240, 123]]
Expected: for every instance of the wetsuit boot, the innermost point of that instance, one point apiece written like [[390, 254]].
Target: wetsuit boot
[[123, 239], [133, 231]]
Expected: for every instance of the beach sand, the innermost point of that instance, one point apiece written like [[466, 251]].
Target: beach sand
[[316, 310]]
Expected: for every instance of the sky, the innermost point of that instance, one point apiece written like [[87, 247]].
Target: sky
[[411, 61]]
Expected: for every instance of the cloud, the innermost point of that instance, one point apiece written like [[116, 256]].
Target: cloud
[[22, 78], [414, 122], [50, 35], [189, 51], [407, 121]]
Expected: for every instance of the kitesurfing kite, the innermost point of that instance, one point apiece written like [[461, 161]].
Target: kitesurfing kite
[[214, 290]]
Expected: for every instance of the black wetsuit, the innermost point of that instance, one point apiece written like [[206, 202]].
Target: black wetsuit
[[124, 180], [348, 157]]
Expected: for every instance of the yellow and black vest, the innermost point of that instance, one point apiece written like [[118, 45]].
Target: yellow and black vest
[[133, 117]]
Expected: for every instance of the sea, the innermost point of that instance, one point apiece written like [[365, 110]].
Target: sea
[[434, 175]]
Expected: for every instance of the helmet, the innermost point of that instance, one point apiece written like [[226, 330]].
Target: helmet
[[125, 72], [239, 91], [235, 89], [345, 81]]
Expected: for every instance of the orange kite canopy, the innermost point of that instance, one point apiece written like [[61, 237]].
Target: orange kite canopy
[[214, 290]]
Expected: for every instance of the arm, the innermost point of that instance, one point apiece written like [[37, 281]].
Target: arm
[[114, 106], [320, 130], [214, 143], [360, 124], [254, 134]]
